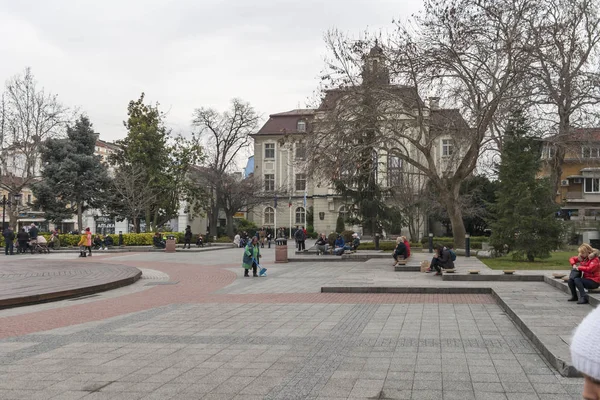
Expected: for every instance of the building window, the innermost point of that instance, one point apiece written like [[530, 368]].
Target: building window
[[301, 126], [592, 185], [300, 151], [548, 152], [447, 147], [590, 152], [269, 150], [269, 182], [301, 182], [269, 216], [300, 215], [394, 170]]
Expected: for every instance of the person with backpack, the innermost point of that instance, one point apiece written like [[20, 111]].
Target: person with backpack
[[443, 259]]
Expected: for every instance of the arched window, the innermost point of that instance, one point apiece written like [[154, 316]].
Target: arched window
[[301, 126], [343, 212], [300, 215], [269, 216], [394, 169]]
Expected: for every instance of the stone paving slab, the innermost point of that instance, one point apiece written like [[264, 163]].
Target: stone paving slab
[[217, 335], [25, 281], [286, 352]]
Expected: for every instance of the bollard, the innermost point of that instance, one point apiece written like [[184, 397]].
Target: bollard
[[467, 245], [431, 242], [377, 241]]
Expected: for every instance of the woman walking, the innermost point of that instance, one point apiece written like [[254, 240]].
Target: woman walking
[[251, 256]]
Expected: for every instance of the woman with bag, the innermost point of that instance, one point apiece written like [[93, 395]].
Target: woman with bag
[[585, 273]]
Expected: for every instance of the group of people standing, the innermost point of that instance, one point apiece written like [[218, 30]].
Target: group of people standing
[[25, 239]]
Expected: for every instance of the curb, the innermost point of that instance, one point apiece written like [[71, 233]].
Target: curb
[[64, 294]]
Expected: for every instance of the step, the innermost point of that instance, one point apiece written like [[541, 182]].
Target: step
[[407, 268]]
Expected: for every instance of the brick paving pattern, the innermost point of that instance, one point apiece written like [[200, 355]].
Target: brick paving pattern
[[217, 335]]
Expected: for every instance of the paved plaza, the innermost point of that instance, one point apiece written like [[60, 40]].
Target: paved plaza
[[194, 328]]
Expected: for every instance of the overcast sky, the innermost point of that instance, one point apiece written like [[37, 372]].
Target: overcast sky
[[185, 54]]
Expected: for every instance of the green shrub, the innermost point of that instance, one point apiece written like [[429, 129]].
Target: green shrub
[[347, 235], [224, 239], [331, 238]]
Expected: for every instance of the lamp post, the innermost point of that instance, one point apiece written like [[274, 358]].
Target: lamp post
[[3, 211]]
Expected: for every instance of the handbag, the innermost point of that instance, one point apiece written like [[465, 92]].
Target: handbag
[[574, 274]]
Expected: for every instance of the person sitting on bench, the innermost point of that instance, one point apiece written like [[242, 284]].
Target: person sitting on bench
[[355, 241], [158, 241], [400, 251], [585, 273], [407, 244], [443, 259], [338, 247]]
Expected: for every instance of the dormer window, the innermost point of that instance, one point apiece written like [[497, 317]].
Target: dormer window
[[301, 126]]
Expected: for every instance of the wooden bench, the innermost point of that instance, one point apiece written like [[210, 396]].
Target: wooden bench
[[594, 290]]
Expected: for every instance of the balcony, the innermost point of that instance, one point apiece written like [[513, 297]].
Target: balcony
[[575, 195]]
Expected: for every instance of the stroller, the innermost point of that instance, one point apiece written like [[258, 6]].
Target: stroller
[[36, 247]]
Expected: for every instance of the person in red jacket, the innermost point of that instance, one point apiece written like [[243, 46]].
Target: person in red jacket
[[407, 246], [588, 264]]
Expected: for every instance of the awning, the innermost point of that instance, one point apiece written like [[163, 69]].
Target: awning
[[575, 176], [31, 220]]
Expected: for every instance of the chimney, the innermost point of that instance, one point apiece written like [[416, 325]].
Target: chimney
[[434, 103]]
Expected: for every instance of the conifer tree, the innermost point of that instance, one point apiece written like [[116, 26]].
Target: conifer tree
[[524, 216], [73, 178]]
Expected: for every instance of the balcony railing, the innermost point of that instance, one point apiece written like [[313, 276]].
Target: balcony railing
[[574, 195]]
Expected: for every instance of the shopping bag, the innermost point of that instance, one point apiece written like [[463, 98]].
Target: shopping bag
[[424, 266]]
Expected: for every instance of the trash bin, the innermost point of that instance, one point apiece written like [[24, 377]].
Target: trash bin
[[281, 255], [171, 244]]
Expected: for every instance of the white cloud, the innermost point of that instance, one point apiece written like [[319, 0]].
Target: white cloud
[[185, 54]]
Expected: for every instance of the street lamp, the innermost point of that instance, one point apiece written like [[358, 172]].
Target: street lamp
[[3, 210]]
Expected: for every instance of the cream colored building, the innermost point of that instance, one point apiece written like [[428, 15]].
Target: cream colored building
[[280, 148]]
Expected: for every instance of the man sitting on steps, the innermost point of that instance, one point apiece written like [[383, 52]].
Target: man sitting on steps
[[321, 244], [443, 259]]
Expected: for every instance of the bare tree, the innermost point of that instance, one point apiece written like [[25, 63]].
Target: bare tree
[[566, 72], [227, 135], [135, 193], [471, 53], [28, 116]]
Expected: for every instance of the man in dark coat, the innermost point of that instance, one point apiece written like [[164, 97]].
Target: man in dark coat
[[300, 238], [23, 239], [9, 238], [442, 260], [187, 237]]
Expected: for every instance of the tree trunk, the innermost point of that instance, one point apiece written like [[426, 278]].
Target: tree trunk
[[230, 225], [455, 215], [79, 216], [556, 169]]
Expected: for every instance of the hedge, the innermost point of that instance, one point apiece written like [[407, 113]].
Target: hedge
[[449, 241], [129, 239], [385, 246]]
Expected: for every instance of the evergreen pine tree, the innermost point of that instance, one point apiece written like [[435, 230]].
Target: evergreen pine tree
[[524, 214], [73, 178]]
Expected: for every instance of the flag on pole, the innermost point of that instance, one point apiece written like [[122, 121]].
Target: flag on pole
[[275, 202], [290, 201], [305, 199]]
